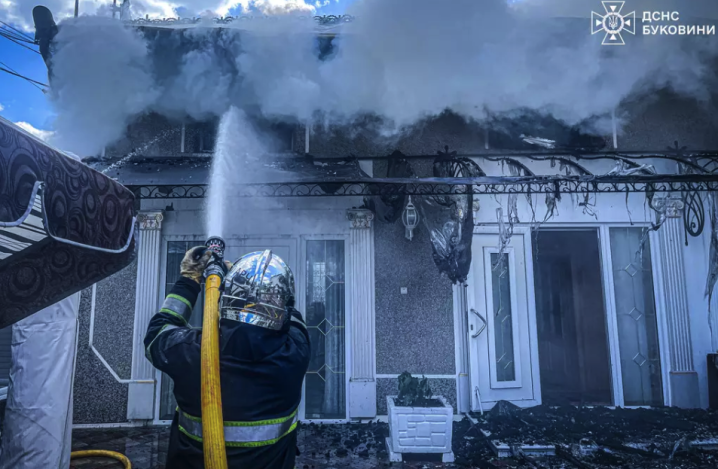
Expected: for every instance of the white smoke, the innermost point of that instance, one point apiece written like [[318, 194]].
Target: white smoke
[[403, 60], [100, 81]]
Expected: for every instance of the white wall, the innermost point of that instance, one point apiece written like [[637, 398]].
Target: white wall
[[696, 265]]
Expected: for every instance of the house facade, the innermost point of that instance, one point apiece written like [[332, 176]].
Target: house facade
[[571, 311], [573, 297]]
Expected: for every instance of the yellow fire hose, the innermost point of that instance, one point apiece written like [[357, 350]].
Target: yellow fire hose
[[98, 453], [215, 456]]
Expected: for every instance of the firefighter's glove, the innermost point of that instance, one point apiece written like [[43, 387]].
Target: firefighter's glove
[[194, 263]]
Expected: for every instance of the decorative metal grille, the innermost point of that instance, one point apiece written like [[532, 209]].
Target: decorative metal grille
[[697, 173], [451, 186]]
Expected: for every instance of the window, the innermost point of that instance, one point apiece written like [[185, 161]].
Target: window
[[325, 384], [175, 252], [636, 317], [278, 137], [200, 137], [504, 330]]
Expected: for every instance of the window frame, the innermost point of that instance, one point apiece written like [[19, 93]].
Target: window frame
[[611, 313], [161, 294], [659, 295], [301, 306]]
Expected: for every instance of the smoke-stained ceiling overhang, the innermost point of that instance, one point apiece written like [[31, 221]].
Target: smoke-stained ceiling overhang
[[195, 170]]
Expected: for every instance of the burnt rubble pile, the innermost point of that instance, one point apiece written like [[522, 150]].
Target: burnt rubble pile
[[583, 437], [543, 425], [322, 444]]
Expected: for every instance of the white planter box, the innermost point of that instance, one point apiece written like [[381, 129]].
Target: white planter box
[[420, 429]]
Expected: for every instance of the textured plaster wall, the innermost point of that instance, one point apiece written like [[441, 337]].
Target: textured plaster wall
[[98, 397], [414, 332], [390, 387]]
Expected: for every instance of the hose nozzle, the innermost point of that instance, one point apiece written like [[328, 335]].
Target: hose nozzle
[[216, 265]]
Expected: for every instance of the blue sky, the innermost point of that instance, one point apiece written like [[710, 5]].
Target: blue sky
[[20, 101]]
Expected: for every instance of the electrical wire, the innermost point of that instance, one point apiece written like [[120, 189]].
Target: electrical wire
[[19, 32], [15, 71], [16, 41], [19, 37], [3, 69]]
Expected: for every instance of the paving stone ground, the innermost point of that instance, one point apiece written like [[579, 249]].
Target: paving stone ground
[[362, 446]]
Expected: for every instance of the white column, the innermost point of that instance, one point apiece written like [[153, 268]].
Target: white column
[[362, 381], [141, 398], [683, 377]]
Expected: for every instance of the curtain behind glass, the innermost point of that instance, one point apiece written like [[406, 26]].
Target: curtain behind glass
[[325, 391], [636, 317], [175, 253]]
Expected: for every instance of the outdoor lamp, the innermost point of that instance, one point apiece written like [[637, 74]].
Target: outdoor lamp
[[410, 218]]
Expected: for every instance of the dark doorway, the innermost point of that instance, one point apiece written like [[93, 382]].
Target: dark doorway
[[571, 318]]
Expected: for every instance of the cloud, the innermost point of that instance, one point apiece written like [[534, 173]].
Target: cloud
[[45, 135], [19, 12], [2, 108]]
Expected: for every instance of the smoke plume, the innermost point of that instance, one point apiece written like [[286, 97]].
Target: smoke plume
[[101, 78], [402, 60]]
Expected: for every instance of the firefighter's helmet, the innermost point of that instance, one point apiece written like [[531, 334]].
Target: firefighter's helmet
[[258, 289]]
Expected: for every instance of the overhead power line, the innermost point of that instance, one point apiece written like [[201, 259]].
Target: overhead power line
[[32, 82], [14, 39], [3, 69], [15, 35], [25, 35]]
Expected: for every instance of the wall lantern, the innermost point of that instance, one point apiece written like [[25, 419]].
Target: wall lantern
[[410, 218]]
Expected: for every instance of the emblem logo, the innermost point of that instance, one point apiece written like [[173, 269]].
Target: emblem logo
[[613, 23]]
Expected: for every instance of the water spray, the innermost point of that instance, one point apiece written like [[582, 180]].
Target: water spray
[[215, 456]]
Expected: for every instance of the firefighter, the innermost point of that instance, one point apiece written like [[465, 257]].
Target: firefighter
[[264, 355]]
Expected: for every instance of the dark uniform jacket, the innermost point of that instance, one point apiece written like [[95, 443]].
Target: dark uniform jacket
[[261, 374]]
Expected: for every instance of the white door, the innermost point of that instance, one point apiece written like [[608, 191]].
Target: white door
[[502, 332]]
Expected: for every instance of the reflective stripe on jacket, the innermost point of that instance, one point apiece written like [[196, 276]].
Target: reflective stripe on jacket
[[242, 434], [261, 376]]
